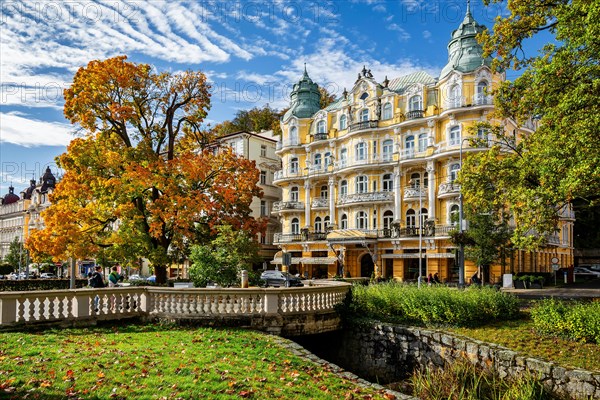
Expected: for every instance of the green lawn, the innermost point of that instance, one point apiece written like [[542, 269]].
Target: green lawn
[[162, 362]]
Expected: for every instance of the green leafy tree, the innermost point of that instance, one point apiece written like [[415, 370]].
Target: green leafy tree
[[559, 162], [17, 255], [224, 258], [326, 97]]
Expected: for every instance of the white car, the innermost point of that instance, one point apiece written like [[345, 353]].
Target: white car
[[586, 271], [47, 275]]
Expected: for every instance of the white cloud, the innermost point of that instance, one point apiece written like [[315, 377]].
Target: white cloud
[[18, 129], [402, 33], [426, 34]]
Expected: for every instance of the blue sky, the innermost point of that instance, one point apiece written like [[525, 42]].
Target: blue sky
[[251, 51]]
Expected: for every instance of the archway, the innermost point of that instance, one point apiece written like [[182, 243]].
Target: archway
[[366, 266]]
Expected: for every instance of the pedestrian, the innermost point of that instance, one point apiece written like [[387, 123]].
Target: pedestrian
[[97, 281], [114, 277], [436, 278], [429, 279]]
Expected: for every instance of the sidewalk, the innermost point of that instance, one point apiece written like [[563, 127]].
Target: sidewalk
[[579, 291]]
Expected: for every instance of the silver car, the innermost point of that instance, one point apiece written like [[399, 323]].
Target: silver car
[[280, 278]]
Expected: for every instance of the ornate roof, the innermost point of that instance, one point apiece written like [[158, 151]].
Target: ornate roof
[[11, 197], [48, 181], [305, 98], [465, 54]]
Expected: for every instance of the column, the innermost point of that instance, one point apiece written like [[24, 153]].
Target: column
[[431, 189], [397, 195], [307, 221], [332, 218]]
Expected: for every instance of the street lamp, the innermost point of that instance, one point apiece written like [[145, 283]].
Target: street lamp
[[461, 251], [420, 234]]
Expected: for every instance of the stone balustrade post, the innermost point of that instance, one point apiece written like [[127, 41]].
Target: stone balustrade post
[[81, 305], [271, 302], [8, 310]]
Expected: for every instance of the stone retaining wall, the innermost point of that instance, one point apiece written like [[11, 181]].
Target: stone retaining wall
[[387, 353]]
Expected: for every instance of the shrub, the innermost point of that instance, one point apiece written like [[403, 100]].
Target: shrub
[[570, 320], [431, 305], [463, 380]]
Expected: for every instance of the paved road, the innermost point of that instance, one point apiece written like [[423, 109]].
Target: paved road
[[589, 289]]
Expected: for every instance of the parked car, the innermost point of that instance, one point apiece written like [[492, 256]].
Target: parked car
[[47, 275], [151, 278], [586, 271], [279, 278]]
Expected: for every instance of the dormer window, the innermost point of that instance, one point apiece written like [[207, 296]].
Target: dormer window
[[387, 111], [364, 96], [321, 126], [343, 122], [364, 114], [415, 103]]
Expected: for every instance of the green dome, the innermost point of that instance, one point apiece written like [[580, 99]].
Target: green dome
[[305, 98], [465, 54]]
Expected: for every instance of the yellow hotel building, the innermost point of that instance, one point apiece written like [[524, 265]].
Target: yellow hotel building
[[369, 181]]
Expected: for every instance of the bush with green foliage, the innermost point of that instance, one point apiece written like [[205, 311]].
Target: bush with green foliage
[[222, 260], [6, 269], [430, 305], [570, 320]]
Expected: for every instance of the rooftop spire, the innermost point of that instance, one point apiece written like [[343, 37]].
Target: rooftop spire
[[468, 15]]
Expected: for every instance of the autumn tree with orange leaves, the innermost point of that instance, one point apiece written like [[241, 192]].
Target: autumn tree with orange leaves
[[144, 178]]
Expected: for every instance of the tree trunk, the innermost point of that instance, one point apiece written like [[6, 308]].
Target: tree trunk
[[485, 274], [161, 274]]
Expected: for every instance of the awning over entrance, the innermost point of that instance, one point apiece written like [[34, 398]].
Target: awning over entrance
[[318, 260], [279, 260], [416, 255], [350, 236]]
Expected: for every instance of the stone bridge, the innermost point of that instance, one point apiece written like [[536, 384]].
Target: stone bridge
[[283, 311]]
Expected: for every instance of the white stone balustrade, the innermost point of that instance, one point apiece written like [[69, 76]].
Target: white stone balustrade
[[69, 306]]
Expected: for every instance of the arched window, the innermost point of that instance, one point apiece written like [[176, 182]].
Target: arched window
[[364, 114], [326, 222], [294, 193], [411, 219], [388, 183], [482, 88], [344, 157], [344, 221], [388, 149], [321, 126], [324, 191], [361, 151], [295, 226], [361, 184], [454, 139], [387, 111], [454, 168], [422, 142], [294, 165], [362, 221], [343, 122], [388, 218], [454, 214], [415, 103], [415, 180], [343, 188], [318, 225], [454, 97], [293, 135], [317, 159], [409, 143], [327, 159], [424, 217], [364, 96]]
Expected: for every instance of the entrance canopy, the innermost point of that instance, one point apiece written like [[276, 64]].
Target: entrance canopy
[[351, 236]]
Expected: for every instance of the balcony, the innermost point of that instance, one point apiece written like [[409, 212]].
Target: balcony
[[287, 143], [287, 173], [456, 102], [320, 136], [365, 160], [319, 202], [448, 188], [481, 99], [412, 193], [415, 114], [287, 206], [299, 237], [370, 197], [359, 126]]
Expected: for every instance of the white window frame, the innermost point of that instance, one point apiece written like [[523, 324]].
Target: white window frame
[[387, 182], [362, 184], [343, 122], [415, 103], [364, 115], [295, 226], [362, 220], [387, 111], [294, 194], [387, 150], [360, 151]]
